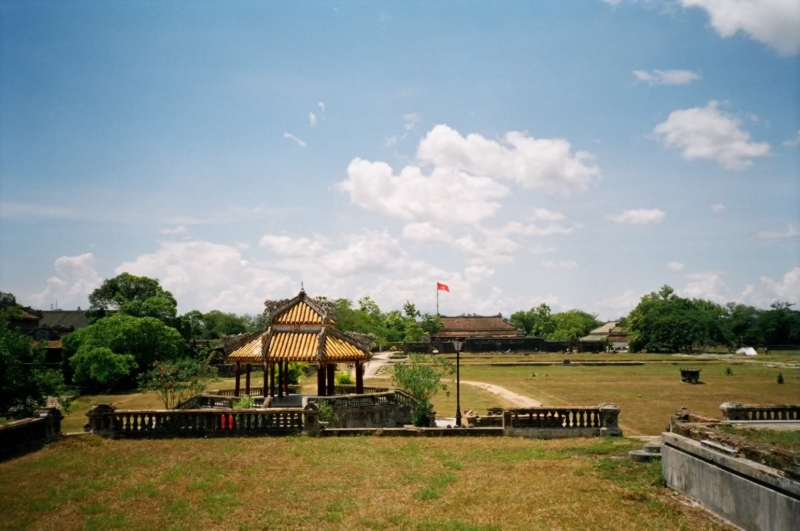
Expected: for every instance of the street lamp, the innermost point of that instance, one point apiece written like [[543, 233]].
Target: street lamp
[[458, 344]]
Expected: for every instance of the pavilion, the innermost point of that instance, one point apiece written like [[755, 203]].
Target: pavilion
[[301, 329]]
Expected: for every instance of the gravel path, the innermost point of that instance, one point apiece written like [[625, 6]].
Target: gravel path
[[516, 399]]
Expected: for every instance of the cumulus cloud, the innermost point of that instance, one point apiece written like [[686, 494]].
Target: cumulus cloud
[[205, 276], [175, 230], [569, 264], [425, 232], [321, 106], [717, 208], [775, 23], [710, 134], [666, 77], [707, 286], [790, 232], [76, 277], [675, 266], [312, 119], [787, 289], [300, 142], [446, 195], [639, 216], [542, 214], [543, 164]]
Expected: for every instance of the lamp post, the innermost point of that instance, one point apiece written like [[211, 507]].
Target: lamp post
[[457, 345]]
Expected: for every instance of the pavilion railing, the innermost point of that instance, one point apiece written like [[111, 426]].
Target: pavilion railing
[[106, 420], [340, 389], [733, 411], [257, 391], [208, 401]]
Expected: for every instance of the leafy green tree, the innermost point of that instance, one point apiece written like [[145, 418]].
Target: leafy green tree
[[421, 377], [431, 323], [537, 321], [780, 325], [135, 342], [135, 296], [176, 381], [25, 381], [572, 324], [742, 322]]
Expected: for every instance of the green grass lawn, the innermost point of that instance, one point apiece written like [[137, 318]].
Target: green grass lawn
[[370, 483]]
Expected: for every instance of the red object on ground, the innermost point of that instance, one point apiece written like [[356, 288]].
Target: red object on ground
[[222, 418], [442, 287]]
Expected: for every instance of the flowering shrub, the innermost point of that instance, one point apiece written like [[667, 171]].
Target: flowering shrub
[[175, 381]]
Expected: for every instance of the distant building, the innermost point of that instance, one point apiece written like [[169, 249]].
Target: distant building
[[476, 326], [64, 321], [25, 321], [610, 331]]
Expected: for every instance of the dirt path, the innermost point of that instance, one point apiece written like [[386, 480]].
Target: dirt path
[[516, 399], [374, 365]]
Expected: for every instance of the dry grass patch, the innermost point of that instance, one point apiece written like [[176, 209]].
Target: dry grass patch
[[375, 483]]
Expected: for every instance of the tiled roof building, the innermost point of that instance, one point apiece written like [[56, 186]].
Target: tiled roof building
[[476, 326]]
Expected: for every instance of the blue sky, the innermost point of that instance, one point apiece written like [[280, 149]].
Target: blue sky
[[576, 153]]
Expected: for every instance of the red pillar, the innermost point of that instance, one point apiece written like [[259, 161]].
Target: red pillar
[[280, 379], [247, 380], [272, 379], [359, 378], [321, 380], [238, 376], [331, 379]]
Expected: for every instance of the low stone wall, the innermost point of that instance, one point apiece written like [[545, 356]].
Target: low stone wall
[[27, 435], [735, 411], [107, 421], [748, 494], [373, 410]]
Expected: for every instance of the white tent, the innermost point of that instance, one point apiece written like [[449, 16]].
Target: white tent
[[747, 351]]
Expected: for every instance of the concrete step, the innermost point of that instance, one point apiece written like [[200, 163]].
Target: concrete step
[[653, 448], [643, 456]]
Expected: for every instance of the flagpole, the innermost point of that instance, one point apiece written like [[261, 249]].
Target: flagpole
[[437, 299]]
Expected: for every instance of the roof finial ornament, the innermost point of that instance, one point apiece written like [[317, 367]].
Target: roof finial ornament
[[302, 289]]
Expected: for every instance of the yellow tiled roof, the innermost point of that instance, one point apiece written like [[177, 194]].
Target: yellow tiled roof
[[338, 350], [294, 346], [299, 314], [249, 352]]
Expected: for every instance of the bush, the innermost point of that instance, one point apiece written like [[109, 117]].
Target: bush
[[177, 381], [421, 376], [100, 367], [245, 402], [421, 414], [728, 371], [326, 411], [344, 379], [780, 377]]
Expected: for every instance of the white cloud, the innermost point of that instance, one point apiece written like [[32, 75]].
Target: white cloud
[[616, 306], [290, 136], [717, 208], [205, 276], [540, 249], [639, 216], [791, 232], [312, 119], [569, 264], [787, 289], [772, 22], [176, 230], [425, 232], [675, 266], [612, 2], [548, 230], [411, 119], [321, 106], [446, 195], [707, 286], [793, 142], [542, 164], [76, 277], [390, 141], [542, 214], [666, 77], [707, 133]]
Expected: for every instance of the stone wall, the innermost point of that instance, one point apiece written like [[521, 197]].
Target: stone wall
[[748, 494], [27, 435]]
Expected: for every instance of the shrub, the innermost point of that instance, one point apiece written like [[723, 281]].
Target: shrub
[[344, 379], [100, 367], [421, 414], [244, 402], [177, 381], [728, 371], [326, 411], [780, 377]]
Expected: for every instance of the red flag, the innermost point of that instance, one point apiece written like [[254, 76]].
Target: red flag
[[442, 287]]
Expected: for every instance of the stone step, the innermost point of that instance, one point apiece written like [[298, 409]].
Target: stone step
[[653, 448], [643, 456]]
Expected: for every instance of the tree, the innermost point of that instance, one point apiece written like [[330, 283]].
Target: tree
[[421, 377], [123, 341], [135, 296], [177, 381], [25, 382], [431, 323], [572, 324], [742, 322], [780, 325], [537, 321]]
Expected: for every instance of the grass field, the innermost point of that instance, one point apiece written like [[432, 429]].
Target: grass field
[[371, 483]]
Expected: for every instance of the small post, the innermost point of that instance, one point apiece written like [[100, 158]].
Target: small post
[[457, 345], [609, 420], [311, 424], [101, 419], [247, 380]]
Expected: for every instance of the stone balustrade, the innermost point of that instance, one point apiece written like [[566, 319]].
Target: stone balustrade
[[373, 410], [106, 420], [756, 412], [29, 434], [552, 422]]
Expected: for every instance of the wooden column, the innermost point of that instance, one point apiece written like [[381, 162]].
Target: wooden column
[[247, 380], [331, 379], [280, 379], [359, 378], [265, 389], [321, 380], [238, 377], [272, 379], [286, 377]]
